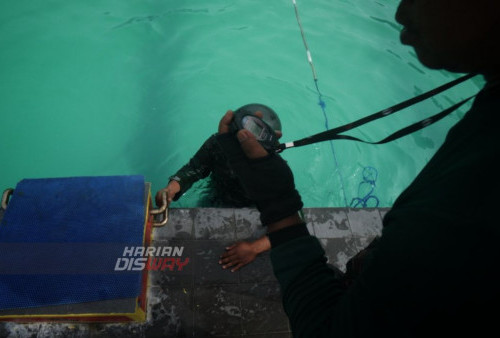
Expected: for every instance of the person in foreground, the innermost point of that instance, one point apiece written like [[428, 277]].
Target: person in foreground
[[225, 189], [434, 270]]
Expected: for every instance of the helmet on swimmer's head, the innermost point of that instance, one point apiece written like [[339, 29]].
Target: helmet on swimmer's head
[[268, 115]]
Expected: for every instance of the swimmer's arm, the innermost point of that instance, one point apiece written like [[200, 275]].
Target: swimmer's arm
[[198, 167]]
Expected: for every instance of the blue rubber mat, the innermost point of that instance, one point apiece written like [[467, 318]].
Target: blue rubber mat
[[60, 239]]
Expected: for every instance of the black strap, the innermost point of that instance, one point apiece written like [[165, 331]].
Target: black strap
[[333, 134]]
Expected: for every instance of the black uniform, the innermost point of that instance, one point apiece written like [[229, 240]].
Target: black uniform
[[435, 269], [224, 187]]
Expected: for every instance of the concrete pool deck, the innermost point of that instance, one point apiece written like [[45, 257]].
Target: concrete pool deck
[[202, 299]]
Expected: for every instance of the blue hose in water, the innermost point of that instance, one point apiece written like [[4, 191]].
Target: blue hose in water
[[366, 187]]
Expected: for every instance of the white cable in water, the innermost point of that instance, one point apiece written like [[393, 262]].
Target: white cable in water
[[321, 103], [308, 52]]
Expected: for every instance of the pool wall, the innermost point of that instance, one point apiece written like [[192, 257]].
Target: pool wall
[[205, 300]]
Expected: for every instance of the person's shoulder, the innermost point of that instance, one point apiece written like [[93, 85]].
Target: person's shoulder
[[489, 95], [212, 139], [211, 143]]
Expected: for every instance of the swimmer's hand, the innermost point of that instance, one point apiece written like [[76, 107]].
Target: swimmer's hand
[[237, 256], [171, 189], [240, 254], [266, 178]]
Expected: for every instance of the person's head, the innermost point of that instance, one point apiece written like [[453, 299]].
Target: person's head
[[456, 35], [268, 115]]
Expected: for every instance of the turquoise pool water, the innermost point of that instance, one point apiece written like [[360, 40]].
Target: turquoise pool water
[[134, 87]]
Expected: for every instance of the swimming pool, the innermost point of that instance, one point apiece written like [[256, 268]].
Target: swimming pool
[[118, 88]]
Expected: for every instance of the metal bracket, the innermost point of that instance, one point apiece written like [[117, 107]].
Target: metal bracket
[[5, 197], [163, 210]]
